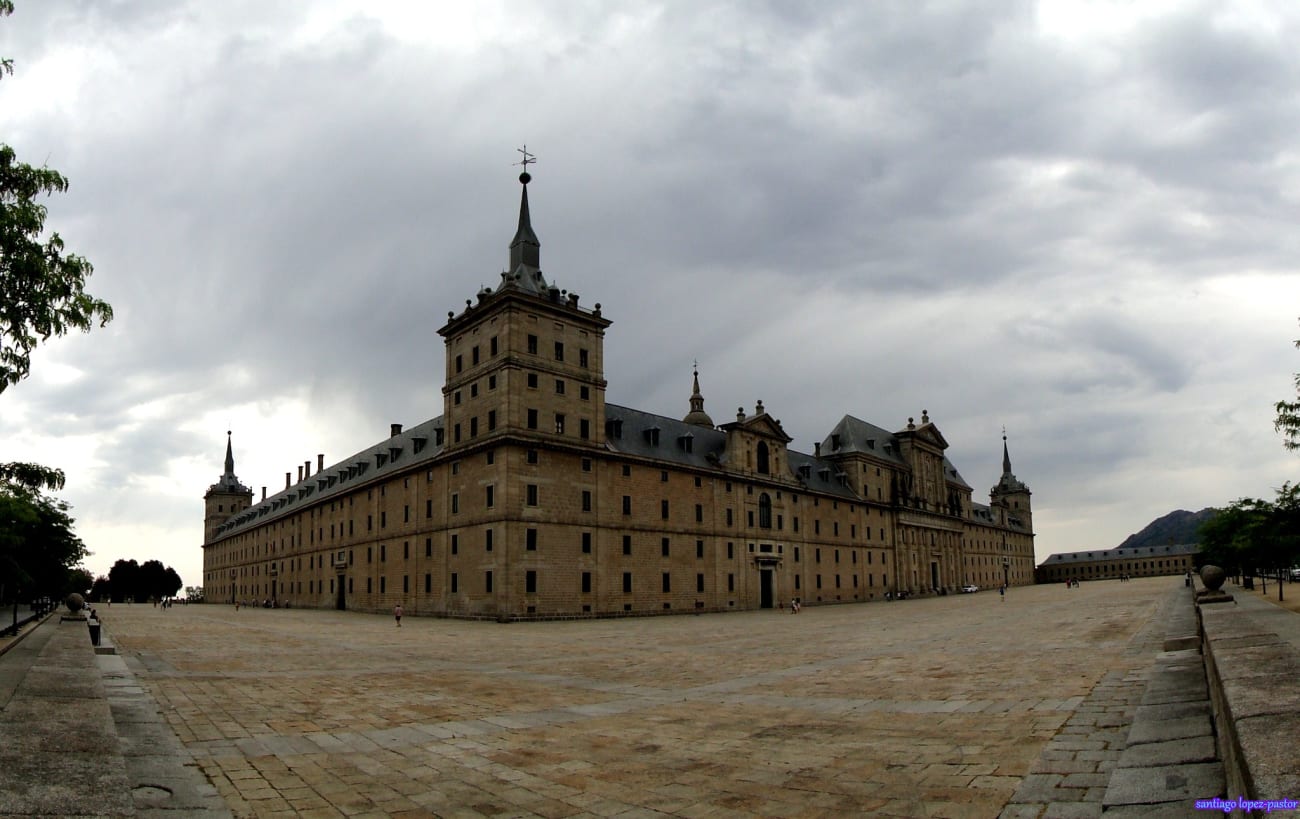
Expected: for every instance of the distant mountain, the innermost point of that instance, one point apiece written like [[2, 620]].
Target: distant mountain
[[1176, 527]]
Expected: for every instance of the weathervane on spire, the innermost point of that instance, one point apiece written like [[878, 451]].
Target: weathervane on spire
[[528, 159]]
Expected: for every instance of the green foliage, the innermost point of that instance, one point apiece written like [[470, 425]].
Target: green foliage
[[39, 552], [42, 288], [31, 476], [42, 295], [141, 582], [1288, 417], [1252, 534]]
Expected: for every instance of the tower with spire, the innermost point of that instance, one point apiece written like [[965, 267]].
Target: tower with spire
[[1011, 496], [697, 415], [224, 498], [523, 358]]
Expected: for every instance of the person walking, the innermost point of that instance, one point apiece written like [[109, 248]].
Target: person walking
[[397, 614]]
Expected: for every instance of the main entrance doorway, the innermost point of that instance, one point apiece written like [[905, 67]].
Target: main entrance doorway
[[766, 591], [934, 575]]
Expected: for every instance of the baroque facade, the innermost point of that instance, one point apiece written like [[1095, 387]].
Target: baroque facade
[[531, 497]]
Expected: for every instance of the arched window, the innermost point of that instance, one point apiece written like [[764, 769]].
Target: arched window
[[764, 511], [763, 466]]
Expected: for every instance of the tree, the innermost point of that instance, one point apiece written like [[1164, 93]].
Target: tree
[[1288, 416], [39, 552], [101, 589], [42, 288], [1251, 535], [123, 579]]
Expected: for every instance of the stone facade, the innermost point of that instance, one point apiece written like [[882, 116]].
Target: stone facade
[[531, 497]]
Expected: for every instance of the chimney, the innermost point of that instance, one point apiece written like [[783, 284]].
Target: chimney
[[287, 484], [817, 449], [306, 468], [299, 474], [320, 462], [263, 493], [394, 430]]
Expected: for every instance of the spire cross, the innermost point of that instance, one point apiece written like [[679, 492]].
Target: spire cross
[[529, 159]]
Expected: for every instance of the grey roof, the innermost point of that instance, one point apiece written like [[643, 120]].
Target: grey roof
[[413, 446], [647, 435], [1138, 553], [856, 435]]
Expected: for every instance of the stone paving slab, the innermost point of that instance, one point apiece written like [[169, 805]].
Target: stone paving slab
[[1182, 784], [935, 707]]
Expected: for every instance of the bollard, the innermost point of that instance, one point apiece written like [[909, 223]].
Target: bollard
[[94, 632]]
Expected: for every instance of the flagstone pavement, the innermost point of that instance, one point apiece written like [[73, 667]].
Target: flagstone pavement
[[932, 707]]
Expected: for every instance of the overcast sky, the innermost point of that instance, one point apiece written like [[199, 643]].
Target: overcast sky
[[1076, 220]]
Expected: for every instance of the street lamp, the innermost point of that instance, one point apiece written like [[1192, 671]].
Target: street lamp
[[1006, 571]]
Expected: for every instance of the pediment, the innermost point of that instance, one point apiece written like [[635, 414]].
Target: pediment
[[931, 435], [763, 426]]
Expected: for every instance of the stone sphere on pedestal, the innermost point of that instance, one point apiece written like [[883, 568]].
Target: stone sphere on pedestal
[[75, 602], [1213, 577]]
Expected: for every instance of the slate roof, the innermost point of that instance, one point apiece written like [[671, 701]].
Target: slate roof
[[856, 435], [1138, 553], [394, 453], [706, 447]]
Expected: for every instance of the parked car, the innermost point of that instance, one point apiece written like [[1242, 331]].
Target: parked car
[[969, 588]]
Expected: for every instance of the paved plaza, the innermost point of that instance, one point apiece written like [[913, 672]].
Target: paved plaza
[[933, 707]]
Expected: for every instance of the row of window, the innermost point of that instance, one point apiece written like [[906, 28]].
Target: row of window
[[533, 347]]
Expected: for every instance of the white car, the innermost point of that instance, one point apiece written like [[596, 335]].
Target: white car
[[969, 588]]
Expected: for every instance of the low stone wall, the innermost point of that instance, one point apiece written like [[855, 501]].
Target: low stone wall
[[1253, 669]]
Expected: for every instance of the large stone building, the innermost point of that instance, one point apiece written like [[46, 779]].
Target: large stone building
[[1111, 564], [530, 496]]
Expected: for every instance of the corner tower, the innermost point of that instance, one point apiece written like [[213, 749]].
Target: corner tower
[[1011, 496], [224, 498], [523, 359]]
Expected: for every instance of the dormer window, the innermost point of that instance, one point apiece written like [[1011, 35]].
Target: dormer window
[[686, 442], [835, 442], [652, 436], [394, 452], [380, 459], [417, 445], [614, 428]]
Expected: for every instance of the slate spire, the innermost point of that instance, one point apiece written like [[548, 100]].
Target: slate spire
[[230, 459], [697, 415], [525, 249]]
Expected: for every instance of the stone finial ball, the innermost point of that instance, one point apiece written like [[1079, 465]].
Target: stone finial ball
[[75, 602], [1213, 577]]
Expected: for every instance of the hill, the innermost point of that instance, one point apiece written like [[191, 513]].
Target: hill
[[1180, 526]]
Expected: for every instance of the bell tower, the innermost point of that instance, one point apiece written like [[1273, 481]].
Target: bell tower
[[1011, 496], [524, 359], [224, 498]]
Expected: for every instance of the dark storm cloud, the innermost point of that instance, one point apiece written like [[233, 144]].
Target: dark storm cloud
[[841, 208]]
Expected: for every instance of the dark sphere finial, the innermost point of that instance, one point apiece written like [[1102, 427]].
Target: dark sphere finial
[[525, 177]]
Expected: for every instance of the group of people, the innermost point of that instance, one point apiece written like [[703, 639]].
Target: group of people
[[1072, 583], [266, 604]]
